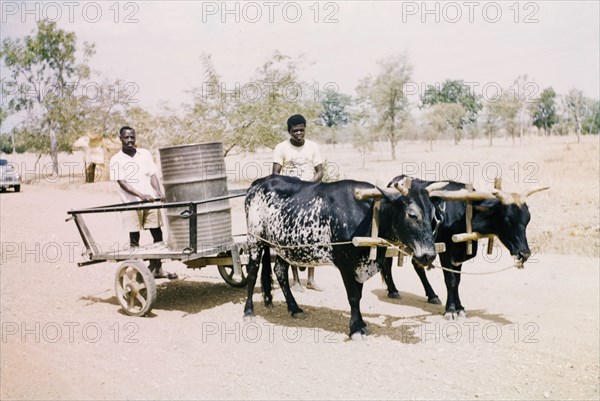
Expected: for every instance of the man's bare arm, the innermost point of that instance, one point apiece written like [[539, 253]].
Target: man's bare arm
[[156, 186], [128, 188]]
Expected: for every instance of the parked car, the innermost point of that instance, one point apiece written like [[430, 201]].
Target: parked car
[[9, 177]]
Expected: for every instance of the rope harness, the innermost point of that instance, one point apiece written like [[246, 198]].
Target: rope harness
[[292, 263], [279, 246], [473, 273]]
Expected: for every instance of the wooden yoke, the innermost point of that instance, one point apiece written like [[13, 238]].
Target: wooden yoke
[[375, 228], [400, 258], [469, 220], [362, 194], [376, 195], [374, 240], [490, 244], [468, 196], [393, 249]]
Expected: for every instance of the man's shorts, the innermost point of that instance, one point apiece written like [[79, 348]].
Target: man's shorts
[[138, 220]]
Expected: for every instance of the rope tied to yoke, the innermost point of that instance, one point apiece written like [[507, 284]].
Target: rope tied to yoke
[[471, 273], [274, 245], [391, 245], [292, 263]]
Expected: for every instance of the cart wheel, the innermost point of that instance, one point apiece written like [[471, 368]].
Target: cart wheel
[[135, 288], [226, 271]]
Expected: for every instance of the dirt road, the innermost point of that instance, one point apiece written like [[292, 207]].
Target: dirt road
[[531, 334]]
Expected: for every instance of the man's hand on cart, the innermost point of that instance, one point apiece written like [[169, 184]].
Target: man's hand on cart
[[150, 198]]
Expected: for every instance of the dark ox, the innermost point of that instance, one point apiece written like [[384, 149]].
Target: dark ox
[[301, 219], [504, 214]]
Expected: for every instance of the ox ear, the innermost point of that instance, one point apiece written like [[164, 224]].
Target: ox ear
[[402, 187]]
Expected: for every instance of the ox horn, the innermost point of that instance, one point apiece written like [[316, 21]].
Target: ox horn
[[534, 190], [516, 198], [436, 186], [369, 193], [401, 188]]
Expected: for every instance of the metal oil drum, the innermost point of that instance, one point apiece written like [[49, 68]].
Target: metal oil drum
[[193, 173]]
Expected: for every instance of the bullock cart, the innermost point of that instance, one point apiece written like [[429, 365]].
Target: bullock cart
[[135, 285], [198, 222]]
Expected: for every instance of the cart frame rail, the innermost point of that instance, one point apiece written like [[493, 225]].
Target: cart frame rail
[[188, 254]]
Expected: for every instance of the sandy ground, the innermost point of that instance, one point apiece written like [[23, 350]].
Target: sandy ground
[[530, 334]]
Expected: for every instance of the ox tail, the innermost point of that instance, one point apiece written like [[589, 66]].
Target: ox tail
[[266, 280]]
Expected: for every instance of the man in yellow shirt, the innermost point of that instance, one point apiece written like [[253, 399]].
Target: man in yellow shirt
[[299, 157]]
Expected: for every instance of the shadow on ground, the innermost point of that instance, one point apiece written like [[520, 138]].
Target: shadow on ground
[[420, 302], [186, 296], [336, 321], [405, 329], [192, 297]]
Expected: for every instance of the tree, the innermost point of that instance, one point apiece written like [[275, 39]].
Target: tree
[[457, 92], [446, 117], [503, 113], [145, 127], [576, 109], [211, 116], [382, 100], [591, 124], [5, 146], [95, 120], [335, 112], [45, 75], [544, 111], [523, 92], [489, 122], [362, 141], [282, 94], [254, 114]]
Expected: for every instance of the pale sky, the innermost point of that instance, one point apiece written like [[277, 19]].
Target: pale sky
[[557, 43]]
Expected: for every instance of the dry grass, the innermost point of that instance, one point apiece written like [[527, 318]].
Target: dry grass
[[565, 219]]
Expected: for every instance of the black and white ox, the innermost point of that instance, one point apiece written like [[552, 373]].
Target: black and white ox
[[311, 224], [501, 213]]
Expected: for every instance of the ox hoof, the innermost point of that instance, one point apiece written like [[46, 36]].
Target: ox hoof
[[269, 305], [358, 336], [454, 315], [248, 319], [394, 295], [450, 316], [299, 315], [434, 300]]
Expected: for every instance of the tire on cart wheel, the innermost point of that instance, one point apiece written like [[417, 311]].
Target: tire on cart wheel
[[135, 288], [17, 188], [226, 272]]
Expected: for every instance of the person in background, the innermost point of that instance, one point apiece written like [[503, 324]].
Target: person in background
[[299, 157]]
